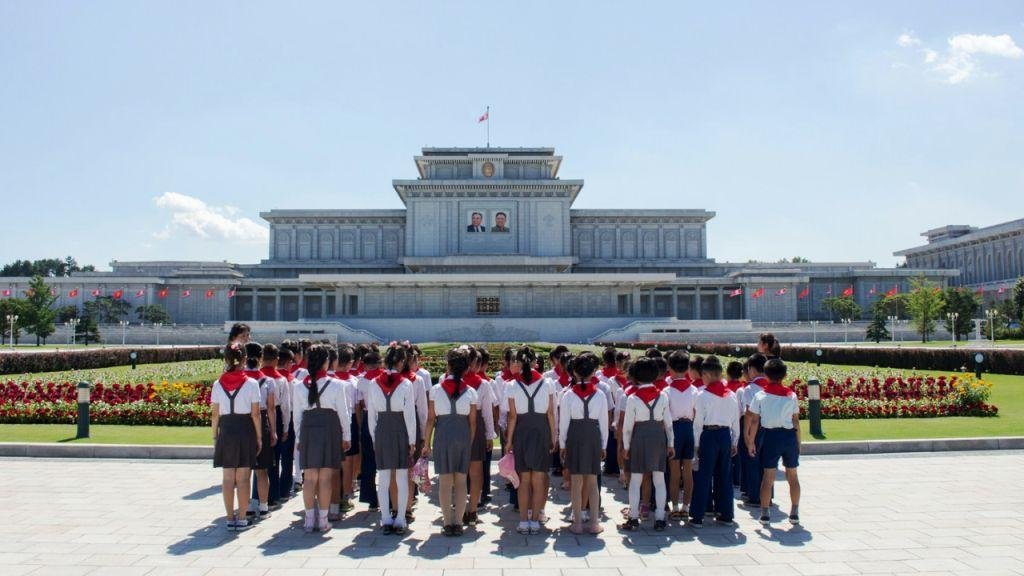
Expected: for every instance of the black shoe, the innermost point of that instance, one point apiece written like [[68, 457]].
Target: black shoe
[[388, 529], [659, 525], [398, 530], [766, 520], [631, 525], [409, 518], [794, 519], [726, 521], [485, 500], [449, 531], [458, 530], [465, 518], [697, 523]]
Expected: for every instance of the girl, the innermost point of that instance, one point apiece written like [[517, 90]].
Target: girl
[[561, 383], [582, 435], [647, 438], [452, 419], [282, 421], [391, 406], [321, 417], [368, 467], [235, 417], [421, 388], [608, 375], [681, 398], [350, 466], [768, 345], [268, 429], [485, 434], [531, 437]]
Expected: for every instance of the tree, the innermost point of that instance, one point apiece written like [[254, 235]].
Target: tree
[[47, 267], [842, 306], [895, 305], [65, 313], [1018, 299], [39, 311], [925, 303], [965, 304], [878, 330], [794, 260], [10, 307], [153, 313], [107, 309]]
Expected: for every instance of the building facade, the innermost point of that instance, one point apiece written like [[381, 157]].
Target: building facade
[[987, 258], [489, 246]]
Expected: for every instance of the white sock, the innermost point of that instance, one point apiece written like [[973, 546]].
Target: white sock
[[384, 496], [403, 495], [635, 480], [334, 508], [658, 479], [264, 507]]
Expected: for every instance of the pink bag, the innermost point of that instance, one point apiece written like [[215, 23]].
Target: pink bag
[[421, 474], [507, 468]]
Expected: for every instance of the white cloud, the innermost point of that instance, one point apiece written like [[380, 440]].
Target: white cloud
[[907, 39], [959, 62], [194, 216]]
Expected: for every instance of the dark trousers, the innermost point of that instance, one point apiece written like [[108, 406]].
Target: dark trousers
[[285, 458], [714, 470], [488, 459], [368, 474], [752, 471], [611, 451]]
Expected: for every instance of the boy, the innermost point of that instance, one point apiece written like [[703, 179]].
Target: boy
[[775, 411], [750, 480], [716, 432]]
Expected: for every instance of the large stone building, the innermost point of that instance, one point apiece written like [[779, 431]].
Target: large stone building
[[489, 247], [988, 258]]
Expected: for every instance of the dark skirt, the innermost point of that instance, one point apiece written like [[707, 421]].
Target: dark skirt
[[265, 459], [478, 451], [353, 448], [320, 439], [236, 442], [648, 448], [451, 444], [583, 447], [531, 443], [391, 441]]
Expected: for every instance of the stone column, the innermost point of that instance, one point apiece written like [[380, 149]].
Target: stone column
[[675, 302], [323, 303], [255, 316], [635, 311], [696, 303], [720, 304], [277, 304]]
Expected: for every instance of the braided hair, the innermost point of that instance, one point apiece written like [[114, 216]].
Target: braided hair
[[317, 356], [458, 364], [526, 357]]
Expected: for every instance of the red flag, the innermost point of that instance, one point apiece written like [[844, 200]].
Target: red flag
[[210, 293], [140, 293], [758, 293], [73, 293], [162, 293], [781, 292], [980, 291], [1002, 290], [97, 292], [736, 292], [848, 291], [231, 293], [894, 290], [804, 293], [186, 293], [484, 118], [7, 293], [118, 294]]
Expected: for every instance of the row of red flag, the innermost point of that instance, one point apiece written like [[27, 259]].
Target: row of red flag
[[847, 292], [119, 294]]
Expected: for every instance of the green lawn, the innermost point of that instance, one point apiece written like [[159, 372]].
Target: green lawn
[[193, 371], [106, 434]]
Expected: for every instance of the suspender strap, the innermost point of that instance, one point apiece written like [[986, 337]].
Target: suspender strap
[[652, 405], [231, 397], [529, 398], [320, 392], [586, 406]]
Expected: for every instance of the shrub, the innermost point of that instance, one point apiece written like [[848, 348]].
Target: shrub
[[57, 361]]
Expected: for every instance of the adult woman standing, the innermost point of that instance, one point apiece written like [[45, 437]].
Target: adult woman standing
[[451, 417], [235, 405], [531, 437]]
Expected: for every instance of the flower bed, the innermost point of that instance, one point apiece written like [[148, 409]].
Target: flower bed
[[900, 397]]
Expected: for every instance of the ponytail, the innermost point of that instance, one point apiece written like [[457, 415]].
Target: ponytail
[[317, 357], [458, 364], [526, 357]]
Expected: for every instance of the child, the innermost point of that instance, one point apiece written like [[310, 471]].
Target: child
[[608, 375], [235, 417], [368, 465], [421, 387], [647, 438], [349, 465], [320, 413], [734, 372], [482, 441], [531, 437], [775, 411], [282, 408], [452, 420], [682, 397], [391, 406], [286, 429], [583, 434], [716, 431], [750, 483], [260, 508]]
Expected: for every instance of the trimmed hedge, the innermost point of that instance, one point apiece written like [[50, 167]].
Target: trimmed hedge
[[34, 362], [945, 359]]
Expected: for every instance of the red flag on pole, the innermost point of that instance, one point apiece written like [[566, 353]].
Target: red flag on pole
[[848, 291], [736, 292], [893, 291], [980, 291], [804, 293], [758, 293], [73, 293], [781, 291], [186, 293], [118, 294], [872, 291], [484, 117], [7, 292], [1002, 290], [231, 293], [210, 293], [140, 293], [97, 292], [162, 293]]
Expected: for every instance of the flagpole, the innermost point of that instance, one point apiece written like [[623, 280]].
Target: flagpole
[[488, 114]]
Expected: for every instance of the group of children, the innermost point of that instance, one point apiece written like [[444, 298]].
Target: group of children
[[321, 417]]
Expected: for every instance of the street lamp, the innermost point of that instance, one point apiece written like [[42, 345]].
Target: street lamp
[[892, 322], [814, 330], [72, 326], [846, 329], [157, 325], [952, 316], [124, 330], [991, 314], [12, 319]]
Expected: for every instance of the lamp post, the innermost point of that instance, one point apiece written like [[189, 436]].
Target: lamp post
[[12, 320], [846, 329], [814, 330], [952, 316], [124, 331], [892, 322], [991, 314], [72, 326], [156, 326]]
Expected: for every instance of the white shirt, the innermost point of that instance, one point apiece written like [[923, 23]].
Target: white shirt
[[332, 395], [714, 410], [363, 385], [443, 406], [501, 388], [267, 388], [682, 403], [638, 411], [571, 408], [350, 386], [283, 400], [248, 394], [747, 393], [485, 401], [402, 400], [520, 401], [775, 411], [420, 388]]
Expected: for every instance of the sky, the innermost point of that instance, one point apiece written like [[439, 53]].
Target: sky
[[832, 131]]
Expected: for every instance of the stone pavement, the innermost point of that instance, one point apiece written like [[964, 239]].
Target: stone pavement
[[949, 513]]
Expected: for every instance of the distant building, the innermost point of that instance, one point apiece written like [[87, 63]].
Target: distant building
[[489, 247], [989, 258]]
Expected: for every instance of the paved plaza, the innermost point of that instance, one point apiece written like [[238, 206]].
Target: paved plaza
[[950, 513]]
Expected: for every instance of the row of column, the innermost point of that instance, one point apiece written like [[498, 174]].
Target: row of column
[[719, 293]]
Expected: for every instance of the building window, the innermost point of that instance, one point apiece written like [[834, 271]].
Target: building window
[[353, 305], [489, 306]]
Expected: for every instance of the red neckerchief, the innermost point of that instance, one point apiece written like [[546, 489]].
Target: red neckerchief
[[506, 375], [563, 377], [661, 384], [483, 376], [777, 389], [760, 381], [310, 380], [232, 380], [270, 372], [609, 371], [622, 380], [254, 374], [472, 380], [646, 392], [718, 388], [344, 375], [534, 376], [735, 385], [680, 384], [409, 375], [359, 367], [629, 390], [586, 389], [304, 364], [389, 381], [373, 374], [451, 387], [287, 373]]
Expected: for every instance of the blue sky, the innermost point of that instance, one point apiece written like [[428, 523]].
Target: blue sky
[[834, 131]]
